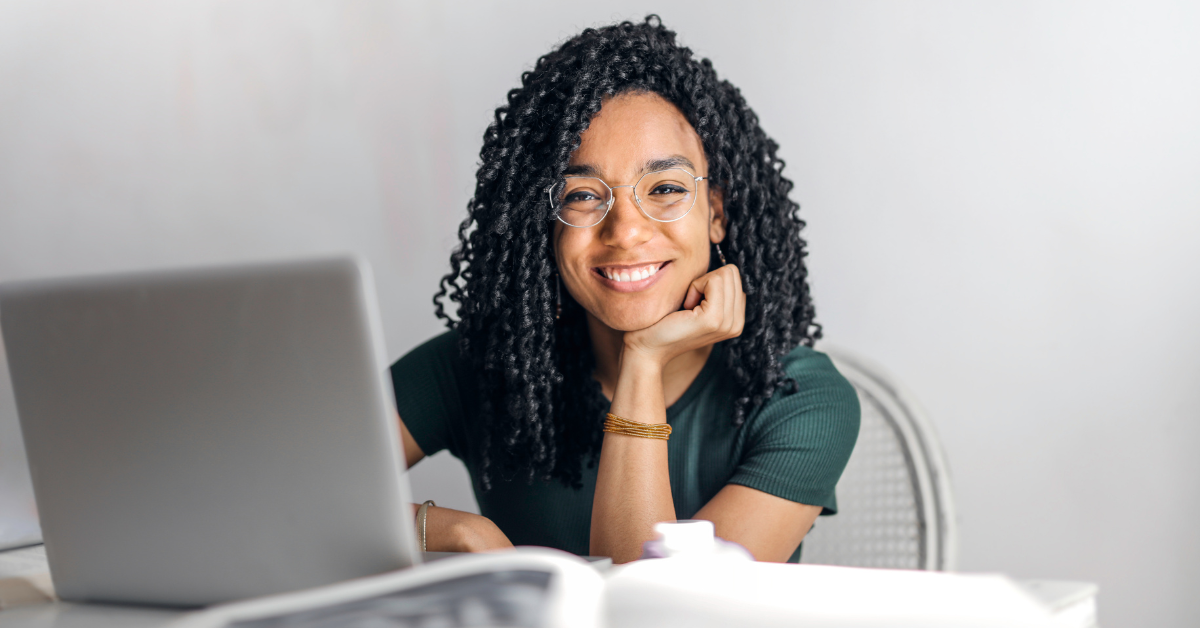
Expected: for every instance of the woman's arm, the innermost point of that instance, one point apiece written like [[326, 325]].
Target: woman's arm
[[449, 530], [446, 529], [633, 485], [770, 527], [412, 451]]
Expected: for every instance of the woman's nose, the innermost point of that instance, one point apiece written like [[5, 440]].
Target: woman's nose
[[625, 226]]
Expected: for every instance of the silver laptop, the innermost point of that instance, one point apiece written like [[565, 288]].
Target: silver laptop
[[208, 435]]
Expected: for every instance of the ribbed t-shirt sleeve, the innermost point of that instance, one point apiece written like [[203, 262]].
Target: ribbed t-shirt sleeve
[[798, 445], [431, 383]]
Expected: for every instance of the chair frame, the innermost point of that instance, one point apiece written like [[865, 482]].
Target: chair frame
[[923, 454]]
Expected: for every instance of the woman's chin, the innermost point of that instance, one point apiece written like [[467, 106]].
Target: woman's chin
[[631, 321]]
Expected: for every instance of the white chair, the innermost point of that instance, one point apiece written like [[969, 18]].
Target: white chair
[[895, 507]]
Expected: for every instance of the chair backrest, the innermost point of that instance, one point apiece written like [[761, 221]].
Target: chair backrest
[[895, 507]]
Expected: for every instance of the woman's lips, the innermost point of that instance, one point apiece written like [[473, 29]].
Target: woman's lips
[[630, 278]]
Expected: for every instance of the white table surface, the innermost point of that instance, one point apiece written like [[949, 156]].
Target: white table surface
[[70, 615], [67, 615]]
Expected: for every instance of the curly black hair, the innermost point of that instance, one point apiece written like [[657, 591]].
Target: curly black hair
[[541, 408]]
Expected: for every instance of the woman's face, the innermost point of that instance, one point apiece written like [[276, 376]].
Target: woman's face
[[634, 134]]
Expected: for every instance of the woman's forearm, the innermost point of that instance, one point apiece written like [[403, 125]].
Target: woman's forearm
[[449, 530], [633, 486]]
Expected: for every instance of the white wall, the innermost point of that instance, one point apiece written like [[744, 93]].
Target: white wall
[[1003, 200]]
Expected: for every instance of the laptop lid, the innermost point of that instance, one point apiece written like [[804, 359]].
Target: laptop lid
[[206, 435]]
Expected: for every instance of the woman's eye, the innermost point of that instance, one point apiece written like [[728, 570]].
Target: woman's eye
[[669, 188], [580, 197]]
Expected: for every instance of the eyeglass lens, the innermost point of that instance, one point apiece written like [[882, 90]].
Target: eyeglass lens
[[665, 196]]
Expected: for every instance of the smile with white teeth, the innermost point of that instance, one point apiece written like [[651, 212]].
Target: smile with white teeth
[[631, 274]]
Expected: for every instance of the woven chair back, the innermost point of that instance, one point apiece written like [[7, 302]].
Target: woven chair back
[[895, 507]]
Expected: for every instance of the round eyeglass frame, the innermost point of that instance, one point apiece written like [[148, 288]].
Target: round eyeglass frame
[[612, 197]]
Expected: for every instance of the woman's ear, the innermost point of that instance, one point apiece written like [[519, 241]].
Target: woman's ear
[[716, 219]]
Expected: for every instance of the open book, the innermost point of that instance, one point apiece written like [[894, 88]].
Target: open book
[[532, 587]]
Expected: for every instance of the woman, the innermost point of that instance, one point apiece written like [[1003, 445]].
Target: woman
[[630, 260]]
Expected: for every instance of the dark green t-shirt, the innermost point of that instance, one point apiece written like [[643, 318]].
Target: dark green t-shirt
[[795, 447]]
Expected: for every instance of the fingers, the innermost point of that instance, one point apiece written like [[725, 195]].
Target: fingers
[[693, 297], [735, 302], [731, 290], [719, 302], [739, 306], [700, 285], [714, 309], [711, 310]]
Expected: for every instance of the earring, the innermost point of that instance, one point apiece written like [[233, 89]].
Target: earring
[[557, 297], [720, 255]]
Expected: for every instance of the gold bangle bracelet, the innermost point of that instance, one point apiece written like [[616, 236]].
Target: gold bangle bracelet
[[617, 425]]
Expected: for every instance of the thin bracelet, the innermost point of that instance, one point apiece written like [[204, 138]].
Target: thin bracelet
[[422, 512], [618, 425]]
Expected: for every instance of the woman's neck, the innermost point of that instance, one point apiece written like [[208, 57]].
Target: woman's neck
[[607, 346]]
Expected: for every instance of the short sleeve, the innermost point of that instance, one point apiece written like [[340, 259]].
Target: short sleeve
[[798, 444], [433, 386]]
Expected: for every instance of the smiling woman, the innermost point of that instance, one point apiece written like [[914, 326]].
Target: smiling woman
[[631, 253]]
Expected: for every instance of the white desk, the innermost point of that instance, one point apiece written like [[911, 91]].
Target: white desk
[[1073, 604], [66, 615], [19, 568]]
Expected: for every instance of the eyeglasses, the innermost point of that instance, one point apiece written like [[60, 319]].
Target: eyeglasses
[[662, 195]]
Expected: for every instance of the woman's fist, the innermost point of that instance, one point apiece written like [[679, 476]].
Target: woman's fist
[[713, 310]]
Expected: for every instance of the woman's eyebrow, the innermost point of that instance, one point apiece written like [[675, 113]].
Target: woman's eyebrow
[[662, 163], [582, 170], [674, 161]]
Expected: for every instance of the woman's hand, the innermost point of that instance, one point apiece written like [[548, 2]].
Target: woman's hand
[[449, 530], [713, 310]]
